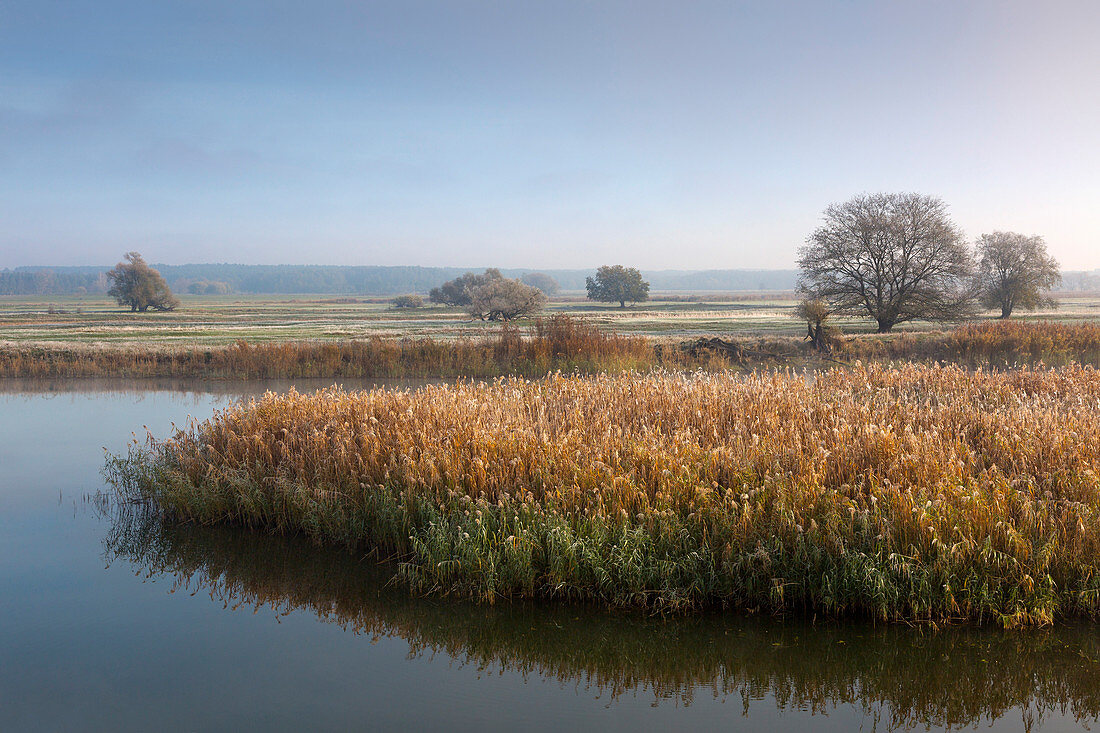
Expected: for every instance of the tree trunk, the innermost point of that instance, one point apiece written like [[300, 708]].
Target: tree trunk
[[817, 337], [622, 303], [1006, 311], [884, 325]]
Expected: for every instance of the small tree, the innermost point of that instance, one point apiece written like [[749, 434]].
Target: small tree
[[815, 312], [617, 284], [542, 281], [408, 301], [139, 286], [894, 257], [504, 299], [457, 292], [1013, 272]]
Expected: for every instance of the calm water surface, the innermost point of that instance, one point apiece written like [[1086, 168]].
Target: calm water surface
[[112, 620]]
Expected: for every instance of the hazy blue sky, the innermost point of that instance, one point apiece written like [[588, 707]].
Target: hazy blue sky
[[543, 134]]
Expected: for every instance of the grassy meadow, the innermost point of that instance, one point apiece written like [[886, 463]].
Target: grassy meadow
[[222, 320], [235, 337]]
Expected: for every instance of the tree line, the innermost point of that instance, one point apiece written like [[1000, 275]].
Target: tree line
[[376, 280]]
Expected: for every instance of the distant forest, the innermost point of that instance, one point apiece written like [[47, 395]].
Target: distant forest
[[360, 280], [380, 280]]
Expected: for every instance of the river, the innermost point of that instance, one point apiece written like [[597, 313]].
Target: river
[[112, 619]]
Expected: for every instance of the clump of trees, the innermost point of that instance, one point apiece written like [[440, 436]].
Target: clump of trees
[[408, 301], [1013, 272], [490, 296], [136, 284], [458, 292], [617, 284], [208, 287], [897, 257], [542, 281]]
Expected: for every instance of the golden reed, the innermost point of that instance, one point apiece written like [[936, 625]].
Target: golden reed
[[920, 492]]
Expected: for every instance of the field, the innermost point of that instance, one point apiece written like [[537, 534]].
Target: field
[[221, 320], [916, 493]]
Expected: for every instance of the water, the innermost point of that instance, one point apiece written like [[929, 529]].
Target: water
[[112, 620]]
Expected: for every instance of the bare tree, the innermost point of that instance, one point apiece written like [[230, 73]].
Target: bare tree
[[1013, 272], [894, 257], [504, 299]]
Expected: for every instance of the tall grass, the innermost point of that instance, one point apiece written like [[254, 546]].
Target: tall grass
[[922, 492], [991, 343]]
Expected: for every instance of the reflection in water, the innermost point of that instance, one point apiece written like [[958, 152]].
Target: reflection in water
[[899, 677]]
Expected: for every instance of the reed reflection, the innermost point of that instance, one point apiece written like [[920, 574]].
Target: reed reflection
[[900, 677]]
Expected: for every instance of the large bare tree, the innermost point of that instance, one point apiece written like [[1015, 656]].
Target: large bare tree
[[1013, 272], [893, 257]]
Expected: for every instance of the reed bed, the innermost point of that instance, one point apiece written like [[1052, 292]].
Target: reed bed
[[916, 493]]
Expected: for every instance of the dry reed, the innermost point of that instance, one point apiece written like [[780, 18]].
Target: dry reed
[[992, 343], [922, 492]]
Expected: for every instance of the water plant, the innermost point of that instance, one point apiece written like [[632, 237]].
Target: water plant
[[923, 492]]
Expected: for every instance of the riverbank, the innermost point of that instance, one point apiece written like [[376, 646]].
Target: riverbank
[[558, 343], [913, 493]]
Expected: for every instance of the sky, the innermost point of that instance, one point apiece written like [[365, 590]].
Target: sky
[[550, 134]]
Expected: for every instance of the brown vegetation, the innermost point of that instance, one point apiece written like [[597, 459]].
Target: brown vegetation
[[555, 343], [997, 344], [559, 342], [919, 492]]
